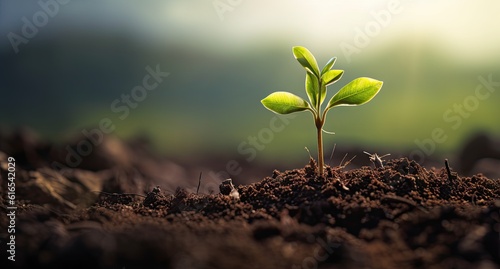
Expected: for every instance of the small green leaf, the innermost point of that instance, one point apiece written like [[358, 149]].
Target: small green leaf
[[284, 103], [356, 92], [312, 88], [331, 76], [306, 59], [323, 94], [328, 65]]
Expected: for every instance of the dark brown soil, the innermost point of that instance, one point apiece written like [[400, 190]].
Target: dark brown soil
[[398, 216]]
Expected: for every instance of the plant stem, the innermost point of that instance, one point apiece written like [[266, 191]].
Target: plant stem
[[320, 152], [319, 129]]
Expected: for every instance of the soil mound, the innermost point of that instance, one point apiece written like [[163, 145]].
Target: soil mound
[[397, 216]]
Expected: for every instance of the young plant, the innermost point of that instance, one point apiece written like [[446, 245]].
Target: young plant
[[357, 92]]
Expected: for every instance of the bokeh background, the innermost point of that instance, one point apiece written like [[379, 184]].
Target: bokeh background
[[224, 56]]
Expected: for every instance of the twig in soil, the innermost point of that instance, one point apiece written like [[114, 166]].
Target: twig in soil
[[448, 170], [342, 184], [394, 198], [376, 160], [331, 155], [199, 183], [310, 157], [340, 164], [346, 163]]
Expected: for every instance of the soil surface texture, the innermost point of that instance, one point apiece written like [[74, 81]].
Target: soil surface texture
[[400, 215]]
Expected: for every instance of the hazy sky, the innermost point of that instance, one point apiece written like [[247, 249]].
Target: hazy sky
[[463, 26]]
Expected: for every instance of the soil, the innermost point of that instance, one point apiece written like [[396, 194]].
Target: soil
[[401, 215]]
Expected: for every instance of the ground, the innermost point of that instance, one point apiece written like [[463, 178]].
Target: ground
[[397, 216]]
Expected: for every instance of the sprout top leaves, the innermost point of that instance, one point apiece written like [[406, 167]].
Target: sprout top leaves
[[306, 59]]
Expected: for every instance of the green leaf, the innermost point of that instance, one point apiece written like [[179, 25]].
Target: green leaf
[[306, 59], [323, 94], [328, 65], [312, 88], [356, 92], [331, 76], [284, 103]]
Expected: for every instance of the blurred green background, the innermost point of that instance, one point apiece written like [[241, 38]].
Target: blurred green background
[[223, 57]]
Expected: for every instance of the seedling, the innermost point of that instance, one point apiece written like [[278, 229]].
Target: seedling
[[357, 92]]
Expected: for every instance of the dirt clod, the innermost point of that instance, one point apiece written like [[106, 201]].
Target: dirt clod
[[227, 188]]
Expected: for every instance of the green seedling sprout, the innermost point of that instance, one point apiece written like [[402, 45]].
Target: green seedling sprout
[[357, 92]]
